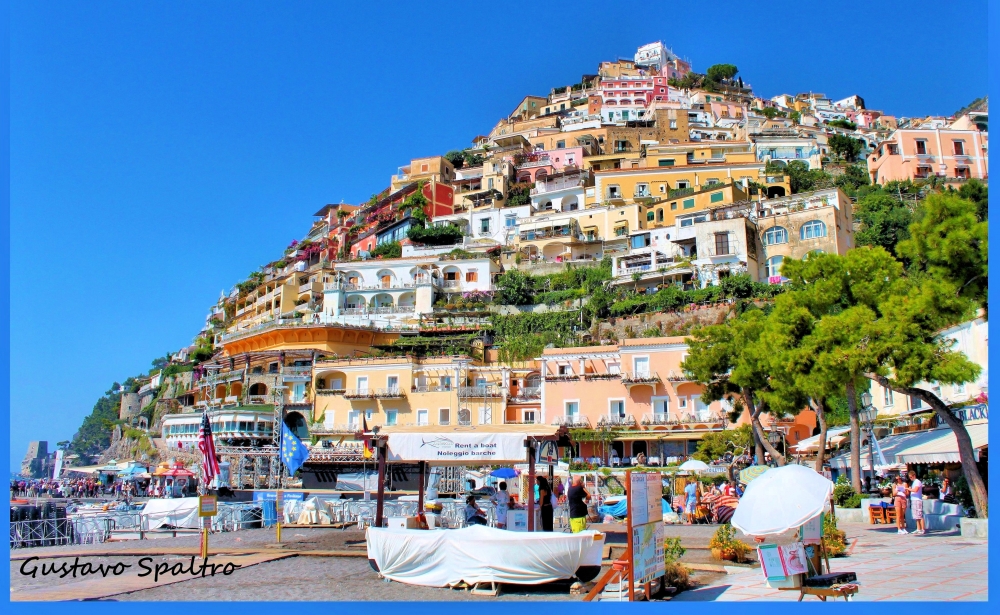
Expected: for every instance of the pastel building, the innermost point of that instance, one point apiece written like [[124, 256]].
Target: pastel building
[[954, 155]]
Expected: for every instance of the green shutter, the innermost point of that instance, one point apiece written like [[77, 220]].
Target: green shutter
[[688, 203], [716, 197], [666, 162]]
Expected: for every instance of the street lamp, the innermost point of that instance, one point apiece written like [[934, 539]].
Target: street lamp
[[867, 414], [775, 437]]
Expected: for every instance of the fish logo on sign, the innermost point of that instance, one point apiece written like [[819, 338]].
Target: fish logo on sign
[[438, 442]]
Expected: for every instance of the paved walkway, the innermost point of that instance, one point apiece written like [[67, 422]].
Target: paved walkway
[[936, 566]]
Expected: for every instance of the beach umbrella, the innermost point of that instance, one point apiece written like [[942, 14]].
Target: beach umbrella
[[748, 474], [781, 499], [504, 473], [693, 465]]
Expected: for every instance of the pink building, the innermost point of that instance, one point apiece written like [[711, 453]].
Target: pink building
[[954, 155], [541, 163], [633, 91]]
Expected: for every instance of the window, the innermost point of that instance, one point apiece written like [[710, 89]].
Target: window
[[528, 416], [390, 418], [489, 184], [962, 172], [464, 417], [617, 408], [722, 244], [272, 368], [682, 185], [640, 241], [572, 409], [392, 383], [921, 147], [642, 190], [641, 366], [673, 206], [484, 225], [445, 383], [717, 197], [621, 231], [423, 168], [659, 215], [444, 416], [922, 172], [916, 403], [673, 124], [560, 144], [510, 222], [688, 203], [814, 229], [614, 192], [959, 389], [663, 188], [565, 370], [775, 235], [773, 266], [650, 216], [959, 148], [687, 222], [362, 383], [666, 162], [893, 149]]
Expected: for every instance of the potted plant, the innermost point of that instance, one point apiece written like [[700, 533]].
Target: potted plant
[[726, 546]]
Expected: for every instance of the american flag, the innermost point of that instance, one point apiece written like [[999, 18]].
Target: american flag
[[209, 464]]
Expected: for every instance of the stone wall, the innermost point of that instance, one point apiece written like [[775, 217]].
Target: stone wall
[[130, 407]]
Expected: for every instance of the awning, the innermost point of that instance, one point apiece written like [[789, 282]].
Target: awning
[[812, 443], [944, 447], [460, 445], [894, 446]]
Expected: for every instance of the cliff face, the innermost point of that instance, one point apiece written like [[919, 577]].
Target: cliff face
[[664, 324]]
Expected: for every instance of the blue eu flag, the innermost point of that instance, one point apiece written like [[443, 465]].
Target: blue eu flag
[[293, 452]]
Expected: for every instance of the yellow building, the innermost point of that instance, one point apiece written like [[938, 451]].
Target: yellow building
[[431, 168], [583, 235], [451, 390]]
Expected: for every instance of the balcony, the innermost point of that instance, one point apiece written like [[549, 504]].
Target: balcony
[[526, 394], [561, 378], [604, 376], [480, 391], [389, 393], [656, 418], [573, 421], [617, 421], [545, 187], [330, 391], [223, 377], [387, 309], [296, 373], [430, 389], [640, 378], [359, 393], [544, 161], [675, 376]]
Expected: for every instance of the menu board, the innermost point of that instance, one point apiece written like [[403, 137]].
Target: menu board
[[645, 497]]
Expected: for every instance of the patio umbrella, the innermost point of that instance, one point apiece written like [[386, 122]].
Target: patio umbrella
[[504, 473], [693, 465], [748, 474], [782, 499]]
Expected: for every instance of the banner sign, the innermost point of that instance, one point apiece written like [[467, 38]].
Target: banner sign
[[457, 447], [979, 412], [58, 467], [208, 506]]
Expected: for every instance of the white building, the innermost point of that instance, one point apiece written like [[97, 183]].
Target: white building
[[180, 431], [369, 292]]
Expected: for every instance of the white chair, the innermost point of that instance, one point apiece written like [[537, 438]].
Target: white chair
[[615, 461], [654, 460]]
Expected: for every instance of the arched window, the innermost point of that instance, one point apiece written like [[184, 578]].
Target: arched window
[[775, 235], [774, 266], [813, 229]]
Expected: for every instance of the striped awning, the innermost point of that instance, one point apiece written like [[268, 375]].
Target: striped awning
[[944, 448]]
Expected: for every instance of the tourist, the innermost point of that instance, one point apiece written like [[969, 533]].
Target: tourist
[[945, 494], [691, 500], [545, 504], [899, 499], [916, 491], [578, 498], [473, 514], [501, 499]]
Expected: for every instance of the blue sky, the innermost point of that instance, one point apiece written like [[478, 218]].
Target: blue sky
[[160, 151]]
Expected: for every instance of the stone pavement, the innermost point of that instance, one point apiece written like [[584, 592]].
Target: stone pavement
[[940, 566]]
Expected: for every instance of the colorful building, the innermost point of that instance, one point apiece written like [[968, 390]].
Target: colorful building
[[954, 155]]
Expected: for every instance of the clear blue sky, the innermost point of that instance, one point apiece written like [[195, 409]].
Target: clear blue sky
[[160, 151]]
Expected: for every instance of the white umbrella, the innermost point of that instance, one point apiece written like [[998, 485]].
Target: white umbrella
[[780, 500], [693, 465]]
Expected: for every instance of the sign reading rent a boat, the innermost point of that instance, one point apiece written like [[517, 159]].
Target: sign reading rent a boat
[[462, 447]]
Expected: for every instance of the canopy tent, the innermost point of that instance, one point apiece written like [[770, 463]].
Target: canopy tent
[[780, 500], [177, 512], [834, 437], [944, 447], [693, 465], [459, 446], [928, 446]]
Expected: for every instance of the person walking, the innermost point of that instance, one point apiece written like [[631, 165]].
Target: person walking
[[545, 505], [916, 491], [899, 493], [691, 500], [578, 498]]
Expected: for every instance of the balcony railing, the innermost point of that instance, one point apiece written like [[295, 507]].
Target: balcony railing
[[640, 377], [297, 370], [527, 393], [480, 391], [617, 421], [389, 393], [545, 187], [541, 162], [675, 376], [657, 418], [561, 377], [430, 388], [392, 285], [330, 391], [359, 393], [603, 376], [387, 309], [573, 421]]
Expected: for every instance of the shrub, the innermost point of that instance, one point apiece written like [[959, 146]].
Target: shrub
[[834, 540], [672, 549], [726, 546], [852, 502], [392, 249], [675, 574], [442, 235], [843, 491]]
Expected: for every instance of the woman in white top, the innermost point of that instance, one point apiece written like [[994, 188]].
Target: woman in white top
[[916, 491], [501, 499]]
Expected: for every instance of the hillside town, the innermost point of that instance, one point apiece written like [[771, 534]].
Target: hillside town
[[648, 266]]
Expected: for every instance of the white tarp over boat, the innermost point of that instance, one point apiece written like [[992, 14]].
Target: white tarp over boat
[[780, 500], [441, 558], [178, 512]]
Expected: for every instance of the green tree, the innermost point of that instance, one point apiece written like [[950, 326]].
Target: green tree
[[389, 249], [94, 434], [842, 123], [438, 235], [456, 158], [884, 219], [768, 112], [977, 192], [721, 72], [852, 178], [844, 147], [715, 445], [949, 243], [803, 179], [514, 287]]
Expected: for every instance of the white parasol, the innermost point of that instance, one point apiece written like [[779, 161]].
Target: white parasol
[[781, 499], [693, 465]]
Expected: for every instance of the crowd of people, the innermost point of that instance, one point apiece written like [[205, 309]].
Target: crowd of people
[[119, 489]]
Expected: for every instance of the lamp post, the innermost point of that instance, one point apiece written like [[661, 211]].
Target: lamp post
[[867, 415], [775, 437]]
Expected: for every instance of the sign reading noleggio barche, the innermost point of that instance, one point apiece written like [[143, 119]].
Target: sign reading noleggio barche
[[464, 447]]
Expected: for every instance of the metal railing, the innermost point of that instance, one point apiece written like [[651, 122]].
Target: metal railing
[[656, 418], [616, 421], [480, 391], [640, 377], [527, 393], [572, 421]]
